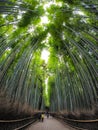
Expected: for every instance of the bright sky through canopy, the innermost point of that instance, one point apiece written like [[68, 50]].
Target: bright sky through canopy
[[44, 20], [48, 4], [45, 55], [79, 12]]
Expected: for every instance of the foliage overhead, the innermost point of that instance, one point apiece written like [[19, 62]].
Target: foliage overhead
[[69, 31]]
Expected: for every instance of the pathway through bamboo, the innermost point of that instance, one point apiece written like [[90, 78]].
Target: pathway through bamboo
[[49, 124]]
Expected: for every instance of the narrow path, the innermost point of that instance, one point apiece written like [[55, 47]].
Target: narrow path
[[49, 124]]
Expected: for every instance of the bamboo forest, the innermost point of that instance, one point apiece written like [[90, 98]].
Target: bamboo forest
[[48, 57]]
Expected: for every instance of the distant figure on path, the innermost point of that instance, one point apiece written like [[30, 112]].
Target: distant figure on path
[[47, 114], [42, 117]]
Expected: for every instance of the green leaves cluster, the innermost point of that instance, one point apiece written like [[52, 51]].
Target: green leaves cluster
[[72, 68]]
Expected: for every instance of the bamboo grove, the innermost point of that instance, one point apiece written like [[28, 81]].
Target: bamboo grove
[[69, 31]]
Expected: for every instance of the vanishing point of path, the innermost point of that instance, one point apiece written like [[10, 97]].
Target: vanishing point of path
[[49, 124]]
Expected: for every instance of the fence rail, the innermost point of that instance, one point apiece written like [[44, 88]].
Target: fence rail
[[78, 124], [19, 124]]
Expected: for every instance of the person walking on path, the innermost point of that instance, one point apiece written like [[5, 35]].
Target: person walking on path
[[42, 117], [47, 114]]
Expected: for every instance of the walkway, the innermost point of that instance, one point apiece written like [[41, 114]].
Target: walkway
[[49, 124]]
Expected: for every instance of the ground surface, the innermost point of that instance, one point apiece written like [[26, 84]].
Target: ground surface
[[49, 124]]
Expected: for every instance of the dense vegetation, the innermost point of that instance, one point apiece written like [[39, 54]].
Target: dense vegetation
[[68, 31]]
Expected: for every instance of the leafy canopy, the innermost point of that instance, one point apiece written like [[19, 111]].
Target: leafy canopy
[[68, 30]]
